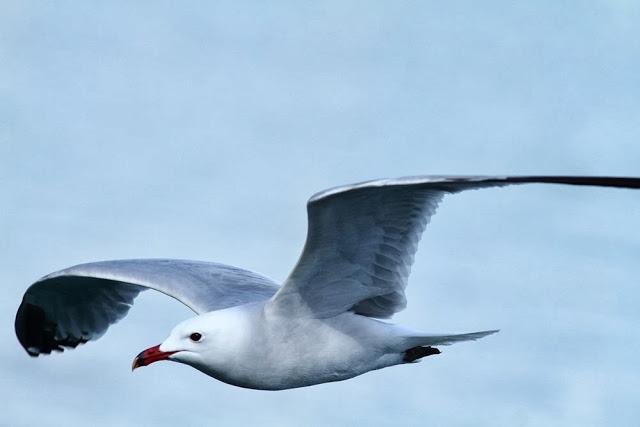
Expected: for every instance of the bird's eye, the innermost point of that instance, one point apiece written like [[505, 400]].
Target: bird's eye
[[195, 337]]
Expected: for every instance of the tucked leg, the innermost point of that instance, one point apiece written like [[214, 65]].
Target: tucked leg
[[416, 353]]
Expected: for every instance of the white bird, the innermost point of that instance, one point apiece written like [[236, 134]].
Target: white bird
[[319, 326]]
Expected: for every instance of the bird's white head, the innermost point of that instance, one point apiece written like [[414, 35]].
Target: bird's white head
[[202, 342]]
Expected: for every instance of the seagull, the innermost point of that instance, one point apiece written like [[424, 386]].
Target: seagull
[[323, 324]]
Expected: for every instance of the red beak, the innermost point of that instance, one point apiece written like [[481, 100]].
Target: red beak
[[150, 355]]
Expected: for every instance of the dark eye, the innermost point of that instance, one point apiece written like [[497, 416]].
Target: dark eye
[[195, 336]]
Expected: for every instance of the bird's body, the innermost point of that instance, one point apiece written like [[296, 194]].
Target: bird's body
[[322, 324], [254, 347], [262, 350]]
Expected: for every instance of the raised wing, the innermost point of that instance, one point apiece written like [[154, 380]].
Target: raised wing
[[362, 238], [78, 304]]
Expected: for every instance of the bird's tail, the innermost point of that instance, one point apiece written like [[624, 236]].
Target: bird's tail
[[431, 340]]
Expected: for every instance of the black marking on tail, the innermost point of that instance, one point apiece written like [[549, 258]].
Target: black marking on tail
[[416, 353]]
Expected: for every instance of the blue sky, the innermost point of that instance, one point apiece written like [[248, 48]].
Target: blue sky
[[199, 129]]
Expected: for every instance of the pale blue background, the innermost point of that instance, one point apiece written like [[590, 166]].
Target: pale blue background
[[198, 130]]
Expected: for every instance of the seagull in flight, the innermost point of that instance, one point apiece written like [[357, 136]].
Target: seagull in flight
[[322, 324]]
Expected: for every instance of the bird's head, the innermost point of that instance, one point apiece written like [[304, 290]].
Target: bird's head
[[192, 342]]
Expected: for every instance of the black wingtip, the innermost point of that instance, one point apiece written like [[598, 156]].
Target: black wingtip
[[35, 332], [597, 181]]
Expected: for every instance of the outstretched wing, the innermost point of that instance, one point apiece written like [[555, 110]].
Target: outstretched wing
[[78, 304], [362, 238]]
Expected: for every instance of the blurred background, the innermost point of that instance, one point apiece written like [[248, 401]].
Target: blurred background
[[198, 130]]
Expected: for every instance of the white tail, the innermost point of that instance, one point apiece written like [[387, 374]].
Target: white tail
[[430, 340]]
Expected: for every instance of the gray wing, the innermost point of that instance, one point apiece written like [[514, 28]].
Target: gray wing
[[78, 304], [362, 238]]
